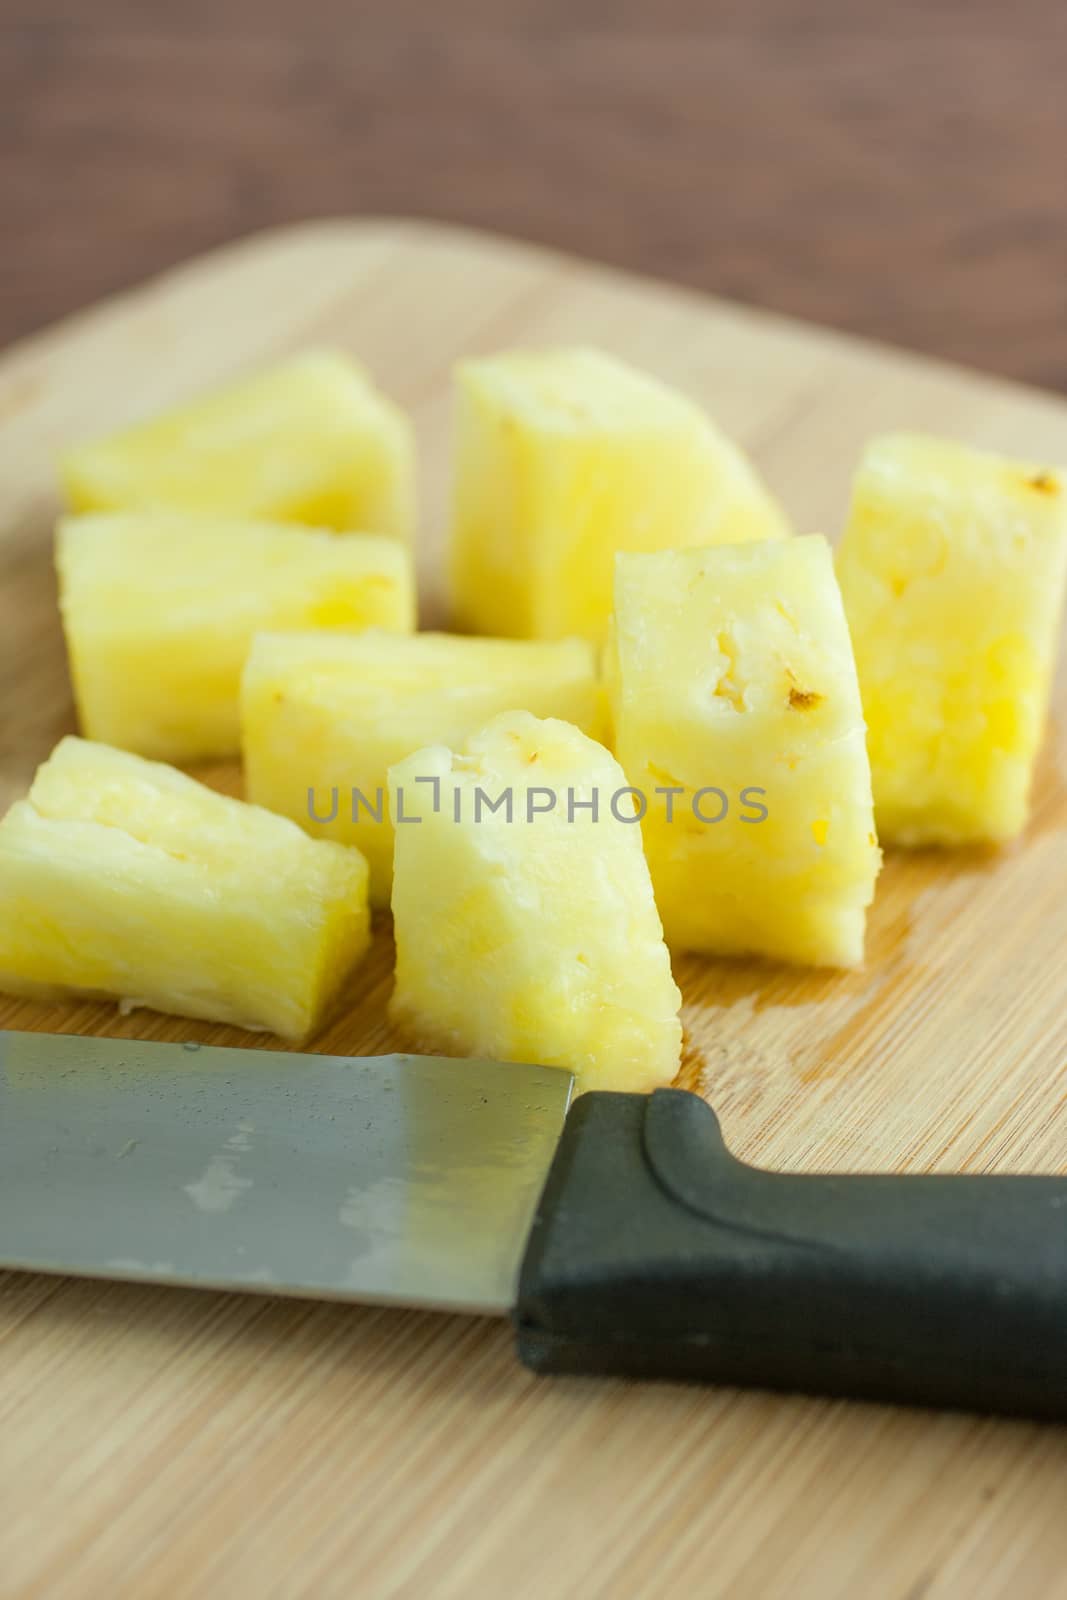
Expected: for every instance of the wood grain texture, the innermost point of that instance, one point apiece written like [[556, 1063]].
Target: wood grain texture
[[172, 1444], [895, 169]]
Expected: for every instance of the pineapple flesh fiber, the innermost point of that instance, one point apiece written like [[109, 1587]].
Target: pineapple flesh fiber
[[309, 441], [124, 879], [564, 457], [731, 673], [530, 940], [324, 717], [953, 567], [160, 609]]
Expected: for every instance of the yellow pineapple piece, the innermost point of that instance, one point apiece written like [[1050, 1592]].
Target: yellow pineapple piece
[[564, 457], [309, 441], [324, 717], [953, 567], [124, 879], [734, 687], [160, 609], [535, 938]]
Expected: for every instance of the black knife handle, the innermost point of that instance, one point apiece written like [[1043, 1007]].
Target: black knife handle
[[656, 1253]]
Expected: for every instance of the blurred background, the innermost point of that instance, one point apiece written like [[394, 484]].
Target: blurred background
[[896, 170]]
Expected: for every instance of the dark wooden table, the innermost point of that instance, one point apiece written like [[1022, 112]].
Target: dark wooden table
[[898, 170]]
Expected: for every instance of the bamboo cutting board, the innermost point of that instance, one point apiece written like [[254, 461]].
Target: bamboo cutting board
[[165, 1443]]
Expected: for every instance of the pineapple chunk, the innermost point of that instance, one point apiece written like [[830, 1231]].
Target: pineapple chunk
[[566, 456], [310, 441], [953, 567], [160, 609], [731, 673], [324, 717], [530, 940], [120, 878]]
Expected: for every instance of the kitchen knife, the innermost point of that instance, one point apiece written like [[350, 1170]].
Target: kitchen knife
[[621, 1235]]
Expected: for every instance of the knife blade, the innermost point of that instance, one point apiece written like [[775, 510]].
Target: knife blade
[[622, 1235], [398, 1179]]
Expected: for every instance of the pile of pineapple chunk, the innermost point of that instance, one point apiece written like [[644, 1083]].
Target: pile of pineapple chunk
[[665, 721]]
